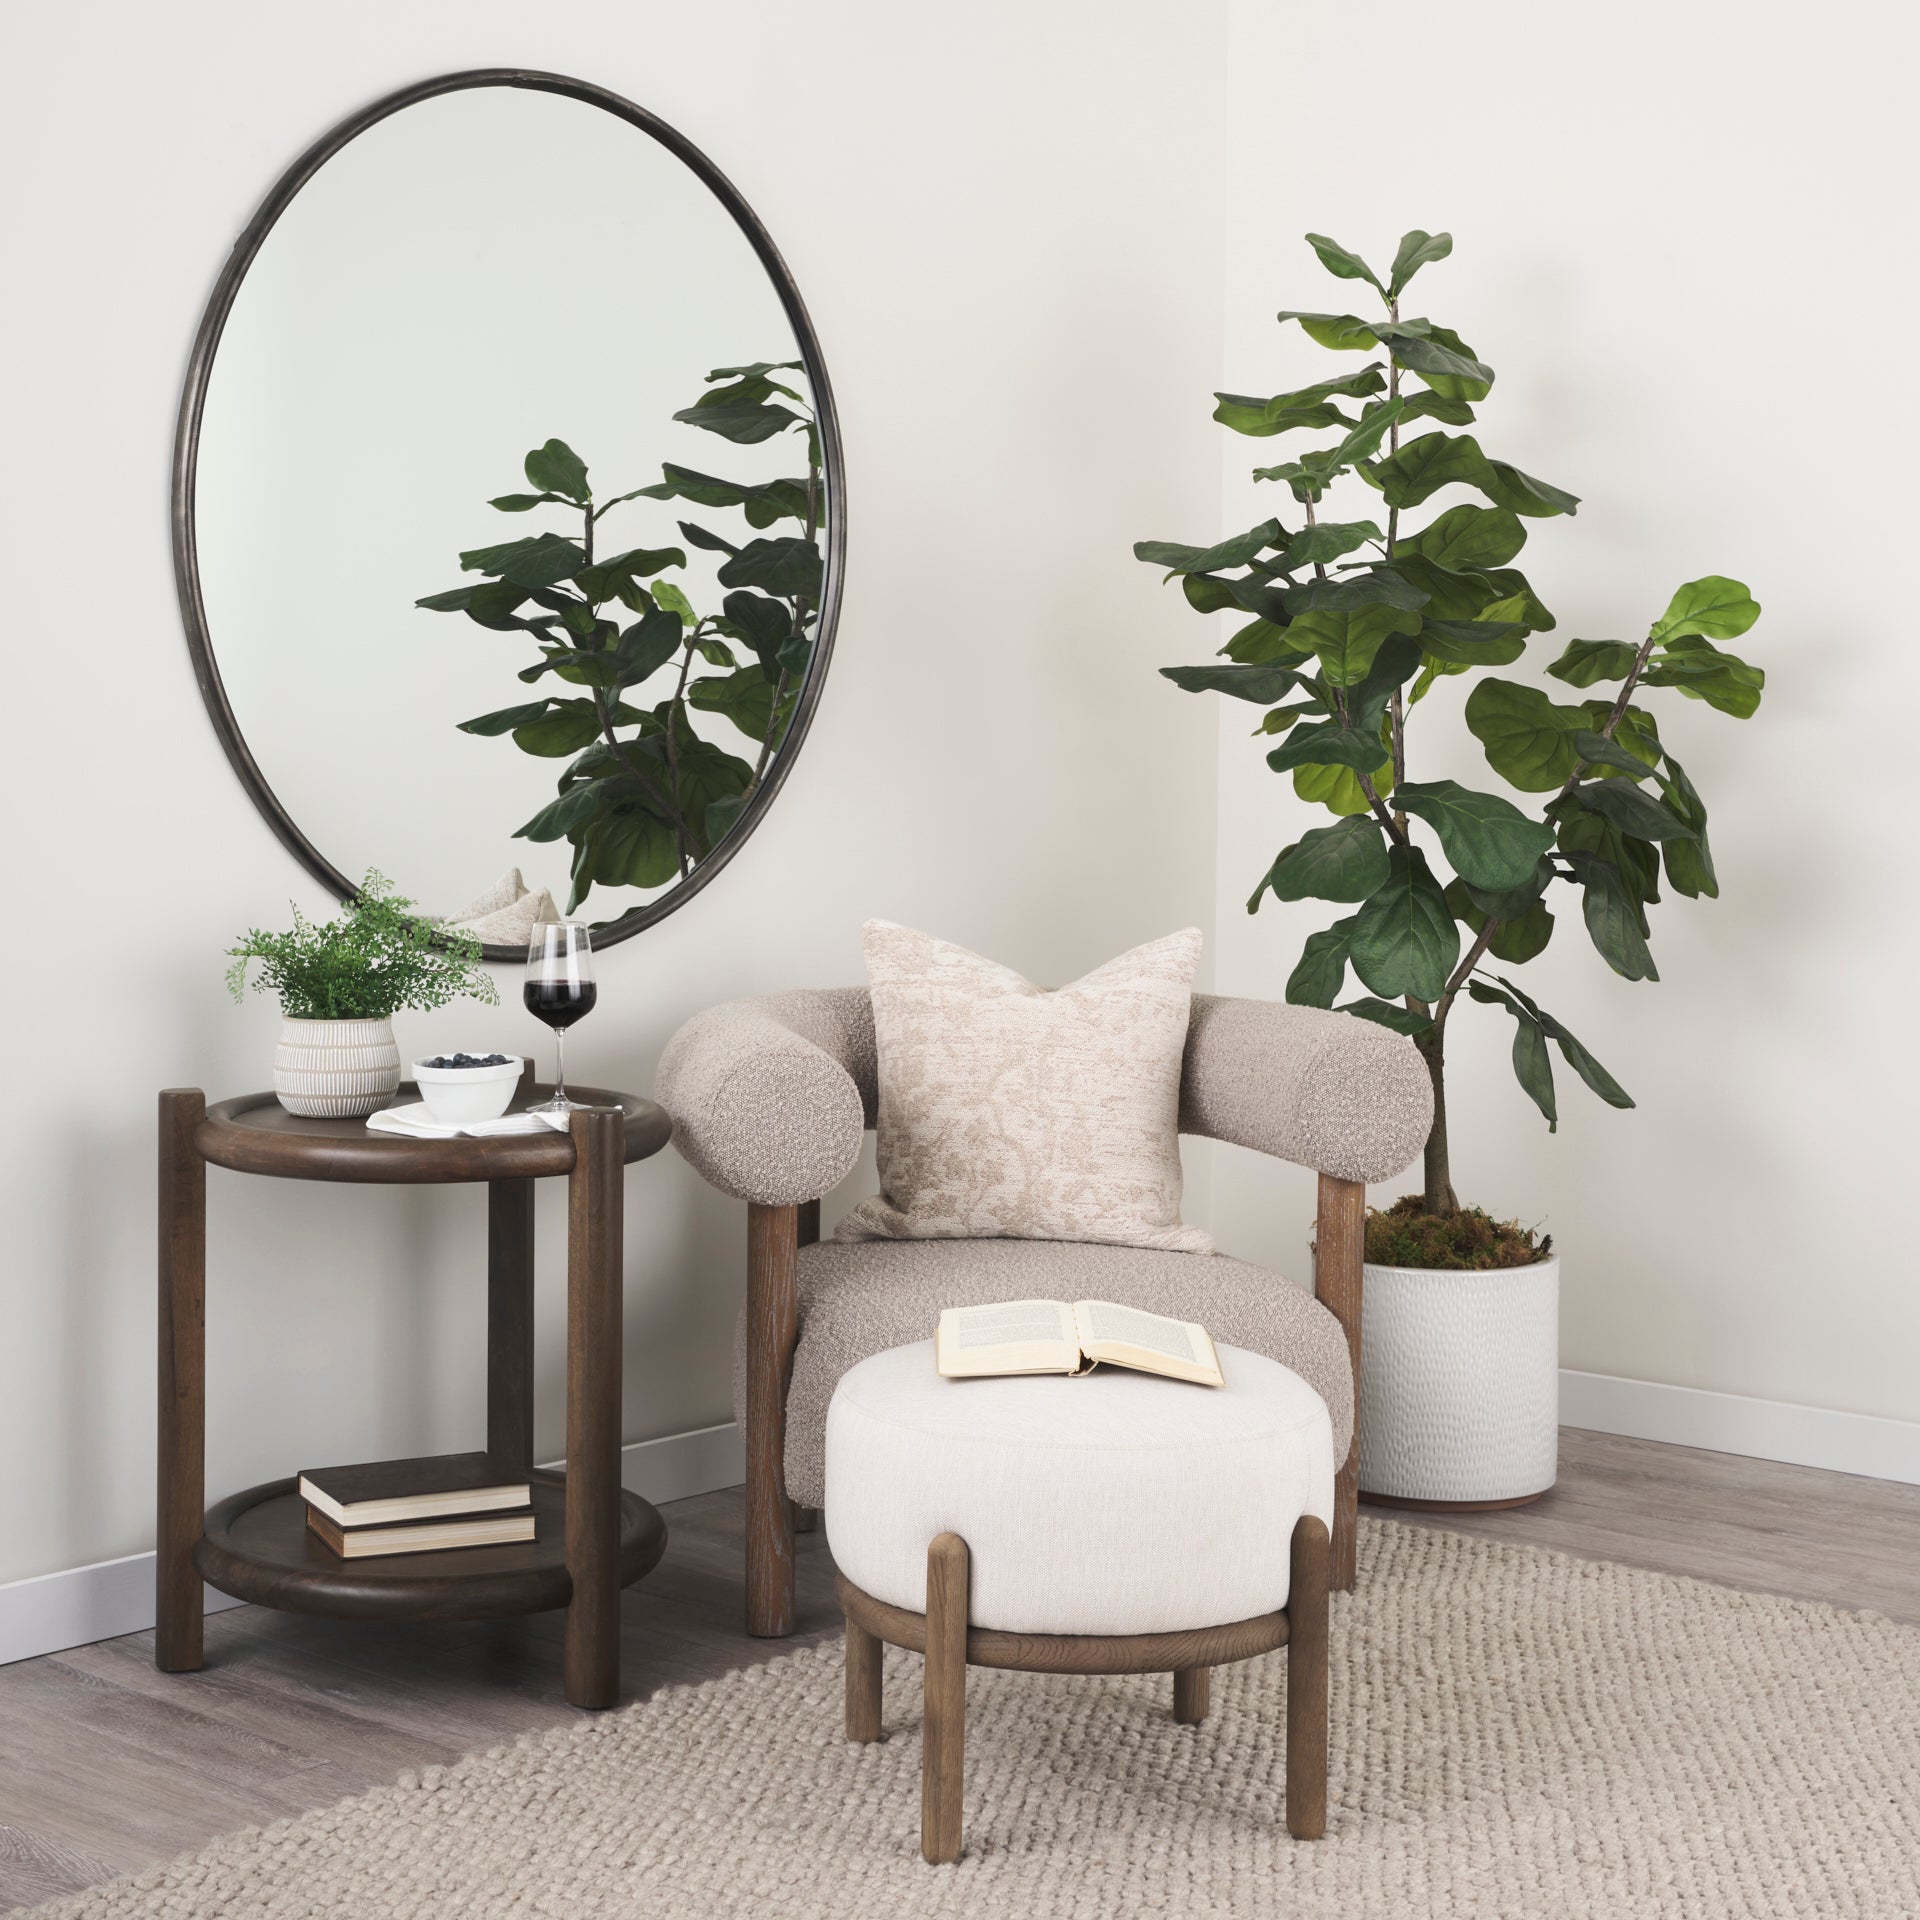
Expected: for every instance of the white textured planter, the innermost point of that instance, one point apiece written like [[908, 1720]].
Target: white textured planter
[[1460, 1383], [335, 1069]]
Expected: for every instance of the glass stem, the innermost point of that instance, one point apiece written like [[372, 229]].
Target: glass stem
[[559, 1063]]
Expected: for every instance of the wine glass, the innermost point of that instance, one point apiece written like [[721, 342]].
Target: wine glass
[[560, 990]]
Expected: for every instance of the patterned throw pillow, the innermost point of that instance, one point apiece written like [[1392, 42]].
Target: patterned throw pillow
[[1009, 1112]]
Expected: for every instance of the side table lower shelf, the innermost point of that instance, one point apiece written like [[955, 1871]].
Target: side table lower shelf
[[258, 1547]]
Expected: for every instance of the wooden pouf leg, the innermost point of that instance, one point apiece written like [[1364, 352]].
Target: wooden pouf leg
[[1307, 1681], [1191, 1695], [863, 1683], [944, 1727]]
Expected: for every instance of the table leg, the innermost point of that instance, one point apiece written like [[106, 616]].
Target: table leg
[[510, 1324], [182, 1492], [594, 1277]]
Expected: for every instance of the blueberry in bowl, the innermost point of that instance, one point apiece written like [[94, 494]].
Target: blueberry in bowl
[[459, 1088]]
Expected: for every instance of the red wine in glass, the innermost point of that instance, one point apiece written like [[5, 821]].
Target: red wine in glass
[[559, 989]]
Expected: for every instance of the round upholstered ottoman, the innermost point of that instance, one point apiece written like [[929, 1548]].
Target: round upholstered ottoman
[[1113, 1523]]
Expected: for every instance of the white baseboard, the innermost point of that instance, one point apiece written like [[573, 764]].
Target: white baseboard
[[1862, 1443], [113, 1597]]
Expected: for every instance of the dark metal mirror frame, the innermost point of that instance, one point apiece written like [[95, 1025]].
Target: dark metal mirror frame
[[186, 456]]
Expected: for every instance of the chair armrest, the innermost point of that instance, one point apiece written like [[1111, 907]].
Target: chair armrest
[[769, 1097], [1324, 1090]]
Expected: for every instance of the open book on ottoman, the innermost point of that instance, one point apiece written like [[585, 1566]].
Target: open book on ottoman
[[1053, 1336]]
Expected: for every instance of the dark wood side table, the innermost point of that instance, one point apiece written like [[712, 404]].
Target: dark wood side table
[[592, 1537]]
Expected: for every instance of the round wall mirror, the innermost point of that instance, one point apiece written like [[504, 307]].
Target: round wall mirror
[[508, 508]]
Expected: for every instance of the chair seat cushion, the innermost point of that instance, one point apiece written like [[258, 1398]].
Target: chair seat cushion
[[858, 1298], [1115, 1503]]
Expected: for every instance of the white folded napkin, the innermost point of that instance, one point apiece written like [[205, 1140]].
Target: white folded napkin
[[414, 1122]]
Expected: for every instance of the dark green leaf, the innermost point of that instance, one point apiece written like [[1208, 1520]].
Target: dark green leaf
[[1208, 594], [1532, 1064], [505, 720], [764, 625], [1689, 863], [525, 502], [647, 646], [566, 728], [1488, 841], [722, 816], [1327, 745], [1513, 902], [1716, 607], [1586, 661], [1577, 1057], [556, 468], [1322, 969], [1229, 553], [745, 697], [1700, 670], [1522, 493], [599, 581], [1633, 812], [1379, 586], [1515, 600], [1404, 940], [1436, 406], [1465, 539], [746, 423], [1260, 643], [764, 504], [1474, 643], [1347, 642], [633, 849], [1328, 541], [1426, 464], [790, 567], [1598, 751], [1383, 1013], [1263, 685], [1346, 862], [1417, 250], [1528, 740], [698, 536], [1342, 263], [1613, 918], [560, 818], [1445, 362], [543, 560], [1247, 413], [1339, 331]]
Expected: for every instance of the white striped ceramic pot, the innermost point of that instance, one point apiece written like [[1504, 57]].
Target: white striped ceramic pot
[[335, 1069], [1460, 1385]]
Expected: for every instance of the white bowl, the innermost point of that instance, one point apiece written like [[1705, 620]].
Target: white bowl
[[457, 1095]]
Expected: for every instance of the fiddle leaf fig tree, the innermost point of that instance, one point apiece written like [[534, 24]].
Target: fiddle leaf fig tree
[[644, 797], [1352, 622]]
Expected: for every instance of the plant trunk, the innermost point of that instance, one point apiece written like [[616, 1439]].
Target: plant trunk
[[1439, 1196]]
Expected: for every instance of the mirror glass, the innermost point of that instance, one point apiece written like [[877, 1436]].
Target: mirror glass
[[511, 515]]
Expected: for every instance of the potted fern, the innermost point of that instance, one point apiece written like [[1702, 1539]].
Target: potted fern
[[340, 984], [1350, 626]]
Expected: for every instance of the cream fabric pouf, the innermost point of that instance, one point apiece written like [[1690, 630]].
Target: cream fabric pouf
[[1117, 1503]]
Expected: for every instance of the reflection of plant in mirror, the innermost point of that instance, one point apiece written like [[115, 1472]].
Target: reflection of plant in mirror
[[367, 965], [645, 797], [1420, 607]]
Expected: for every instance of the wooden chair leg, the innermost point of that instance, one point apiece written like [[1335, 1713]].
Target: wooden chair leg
[[863, 1683], [944, 1727], [1340, 1243], [1191, 1695], [805, 1519], [1307, 1609], [773, 1330]]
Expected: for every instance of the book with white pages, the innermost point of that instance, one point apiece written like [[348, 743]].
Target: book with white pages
[[413, 1122], [1058, 1336]]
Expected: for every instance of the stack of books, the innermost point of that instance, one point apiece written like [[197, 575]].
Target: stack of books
[[417, 1506]]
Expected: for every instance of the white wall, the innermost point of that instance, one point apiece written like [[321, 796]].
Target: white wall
[[1682, 238], [1004, 231]]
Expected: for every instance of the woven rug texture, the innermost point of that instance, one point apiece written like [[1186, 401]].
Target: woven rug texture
[[1517, 1736]]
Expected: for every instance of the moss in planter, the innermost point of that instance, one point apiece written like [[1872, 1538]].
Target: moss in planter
[[1471, 1240]]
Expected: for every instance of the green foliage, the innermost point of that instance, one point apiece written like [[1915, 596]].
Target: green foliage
[[367, 965], [644, 798], [1354, 625]]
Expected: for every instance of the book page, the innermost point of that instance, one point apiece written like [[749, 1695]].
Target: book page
[[1129, 1337], [1012, 1336]]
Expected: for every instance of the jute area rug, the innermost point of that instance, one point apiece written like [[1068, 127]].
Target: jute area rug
[[1515, 1734]]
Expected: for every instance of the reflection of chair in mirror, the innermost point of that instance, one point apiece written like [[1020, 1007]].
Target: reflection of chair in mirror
[[770, 1098]]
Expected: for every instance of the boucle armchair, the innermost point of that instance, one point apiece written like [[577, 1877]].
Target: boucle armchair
[[770, 1098]]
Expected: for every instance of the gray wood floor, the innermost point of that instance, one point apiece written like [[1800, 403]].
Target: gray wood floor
[[107, 1766]]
